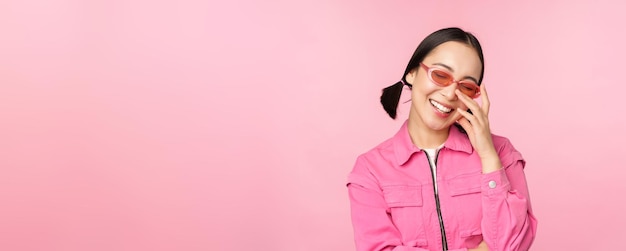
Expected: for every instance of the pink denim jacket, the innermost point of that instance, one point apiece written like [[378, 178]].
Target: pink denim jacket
[[394, 206]]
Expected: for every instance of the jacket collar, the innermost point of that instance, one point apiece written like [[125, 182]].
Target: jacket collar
[[404, 147]]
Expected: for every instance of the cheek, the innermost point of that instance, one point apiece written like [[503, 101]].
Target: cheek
[[417, 92], [421, 90]]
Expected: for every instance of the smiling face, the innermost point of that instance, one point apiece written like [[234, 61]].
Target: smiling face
[[433, 106]]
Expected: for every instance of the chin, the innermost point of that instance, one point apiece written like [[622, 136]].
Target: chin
[[436, 123], [438, 126]]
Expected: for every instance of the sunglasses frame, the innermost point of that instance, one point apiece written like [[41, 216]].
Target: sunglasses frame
[[429, 72]]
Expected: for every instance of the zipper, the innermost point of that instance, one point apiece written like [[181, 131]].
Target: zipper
[[444, 240]]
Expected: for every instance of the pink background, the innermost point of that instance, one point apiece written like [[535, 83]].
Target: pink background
[[187, 125]]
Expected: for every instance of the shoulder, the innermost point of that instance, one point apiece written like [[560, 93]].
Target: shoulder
[[381, 152], [507, 152], [368, 164]]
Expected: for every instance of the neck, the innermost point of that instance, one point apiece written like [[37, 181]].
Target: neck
[[424, 137]]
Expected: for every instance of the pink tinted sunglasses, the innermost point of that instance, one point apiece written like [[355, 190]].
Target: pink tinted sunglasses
[[443, 78]]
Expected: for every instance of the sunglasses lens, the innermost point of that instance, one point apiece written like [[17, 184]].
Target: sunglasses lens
[[441, 78], [469, 89]]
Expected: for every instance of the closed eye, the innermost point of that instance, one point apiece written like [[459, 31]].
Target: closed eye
[[441, 75], [466, 86]]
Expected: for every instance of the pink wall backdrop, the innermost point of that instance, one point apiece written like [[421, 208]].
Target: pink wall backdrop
[[232, 125]]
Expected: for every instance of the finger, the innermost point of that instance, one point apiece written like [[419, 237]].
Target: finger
[[456, 116], [472, 105], [485, 99], [467, 127], [466, 115], [464, 123]]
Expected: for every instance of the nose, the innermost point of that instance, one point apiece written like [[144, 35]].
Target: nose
[[448, 91]]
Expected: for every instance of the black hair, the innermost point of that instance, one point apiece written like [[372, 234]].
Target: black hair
[[391, 94]]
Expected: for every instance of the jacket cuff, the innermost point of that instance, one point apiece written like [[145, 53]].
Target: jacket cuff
[[495, 183]]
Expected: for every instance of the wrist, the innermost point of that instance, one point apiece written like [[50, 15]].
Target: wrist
[[491, 163], [489, 156]]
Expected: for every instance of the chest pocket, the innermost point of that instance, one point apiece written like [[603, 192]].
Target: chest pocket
[[404, 204]]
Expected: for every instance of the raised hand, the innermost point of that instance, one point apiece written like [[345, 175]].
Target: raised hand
[[476, 124]]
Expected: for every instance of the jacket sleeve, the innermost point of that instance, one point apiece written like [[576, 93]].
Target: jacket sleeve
[[373, 228], [508, 223]]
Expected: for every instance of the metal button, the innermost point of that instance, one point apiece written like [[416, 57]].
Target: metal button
[[492, 184]]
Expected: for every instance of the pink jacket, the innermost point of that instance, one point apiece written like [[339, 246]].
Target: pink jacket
[[394, 206]]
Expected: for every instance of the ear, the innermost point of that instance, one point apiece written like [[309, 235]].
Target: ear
[[410, 77]]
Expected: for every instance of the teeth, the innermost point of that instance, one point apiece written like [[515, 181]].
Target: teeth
[[440, 107]]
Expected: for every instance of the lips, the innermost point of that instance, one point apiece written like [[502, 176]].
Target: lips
[[442, 108]]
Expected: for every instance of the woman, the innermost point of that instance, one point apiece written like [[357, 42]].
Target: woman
[[443, 182]]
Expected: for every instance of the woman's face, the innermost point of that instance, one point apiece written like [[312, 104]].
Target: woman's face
[[435, 106]]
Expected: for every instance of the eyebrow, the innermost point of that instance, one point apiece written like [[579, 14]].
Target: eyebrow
[[451, 70]]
